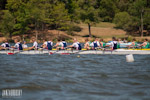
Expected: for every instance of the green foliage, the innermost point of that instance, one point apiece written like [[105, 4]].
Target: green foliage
[[130, 39], [7, 24], [147, 19], [125, 21], [21, 16], [121, 19], [107, 10], [59, 16]]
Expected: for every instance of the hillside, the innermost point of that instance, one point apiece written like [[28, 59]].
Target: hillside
[[101, 30]]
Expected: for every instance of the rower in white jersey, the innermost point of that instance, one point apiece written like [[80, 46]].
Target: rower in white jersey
[[47, 44], [24, 45], [35, 45], [63, 44], [76, 45], [44, 45], [113, 45], [95, 44], [18, 45], [5, 45]]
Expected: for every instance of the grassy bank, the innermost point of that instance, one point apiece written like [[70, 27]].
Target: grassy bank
[[102, 30]]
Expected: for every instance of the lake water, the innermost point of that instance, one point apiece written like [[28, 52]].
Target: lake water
[[68, 77]]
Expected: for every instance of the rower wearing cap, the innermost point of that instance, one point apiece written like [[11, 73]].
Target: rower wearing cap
[[35, 45], [5, 45], [76, 45], [18, 45]]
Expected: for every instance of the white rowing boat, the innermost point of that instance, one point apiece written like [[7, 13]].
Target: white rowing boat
[[118, 51]]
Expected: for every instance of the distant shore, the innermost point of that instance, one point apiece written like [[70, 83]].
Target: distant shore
[[102, 30]]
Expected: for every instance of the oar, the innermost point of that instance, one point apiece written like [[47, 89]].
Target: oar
[[12, 53]]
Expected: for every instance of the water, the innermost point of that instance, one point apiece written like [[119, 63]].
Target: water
[[68, 77]]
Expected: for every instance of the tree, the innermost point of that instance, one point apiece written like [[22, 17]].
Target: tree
[[146, 19], [7, 24], [126, 22], [36, 14], [121, 19], [88, 14], [19, 11], [2, 4], [135, 19], [71, 7], [136, 9], [59, 17], [107, 10]]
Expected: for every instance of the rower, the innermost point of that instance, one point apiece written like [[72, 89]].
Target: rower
[[58, 44], [24, 45], [18, 45], [5, 45], [44, 45], [113, 44], [35, 45], [87, 44], [145, 44], [125, 40], [76, 45], [95, 44], [102, 43], [119, 43], [133, 44], [63, 44], [49, 44]]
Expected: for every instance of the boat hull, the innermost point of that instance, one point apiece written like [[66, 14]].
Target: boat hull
[[119, 52]]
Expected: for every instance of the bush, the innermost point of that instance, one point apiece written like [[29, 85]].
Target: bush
[[76, 28], [121, 19]]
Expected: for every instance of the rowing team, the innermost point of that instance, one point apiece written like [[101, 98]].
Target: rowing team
[[62, 45]]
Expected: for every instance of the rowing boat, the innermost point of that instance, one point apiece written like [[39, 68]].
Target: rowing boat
[[83, 51]]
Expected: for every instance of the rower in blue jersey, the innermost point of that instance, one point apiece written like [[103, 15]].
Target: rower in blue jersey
[[5, 45], [49, 44], [63, 44], [76, 45], [113, 44], [95, 44], [18, 45]]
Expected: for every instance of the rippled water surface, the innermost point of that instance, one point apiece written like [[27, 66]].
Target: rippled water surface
[[70, 77]]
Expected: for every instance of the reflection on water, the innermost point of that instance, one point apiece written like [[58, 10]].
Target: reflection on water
[[67, 77]]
